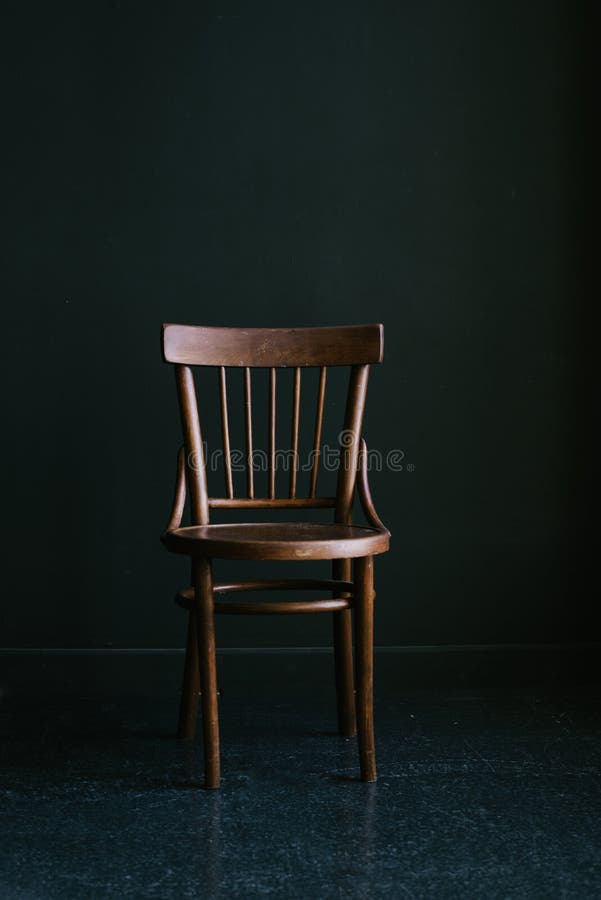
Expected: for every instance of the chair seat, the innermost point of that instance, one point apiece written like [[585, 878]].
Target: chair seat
[[277, 540]]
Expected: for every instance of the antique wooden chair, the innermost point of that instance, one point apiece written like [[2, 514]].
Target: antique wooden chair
[[356, 346]]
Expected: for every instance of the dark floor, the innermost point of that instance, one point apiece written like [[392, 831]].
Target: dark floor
[[482, 793]]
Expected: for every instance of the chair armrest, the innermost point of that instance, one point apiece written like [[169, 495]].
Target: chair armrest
[[365, 497], [179, 496]]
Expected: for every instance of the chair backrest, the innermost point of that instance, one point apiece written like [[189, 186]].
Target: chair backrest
[[356, 346]]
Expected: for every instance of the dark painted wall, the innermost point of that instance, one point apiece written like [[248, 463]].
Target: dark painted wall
[[426, 165]]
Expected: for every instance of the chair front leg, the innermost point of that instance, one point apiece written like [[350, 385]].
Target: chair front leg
[[364, 646], [343, 657], [204, 604], [188, 708]]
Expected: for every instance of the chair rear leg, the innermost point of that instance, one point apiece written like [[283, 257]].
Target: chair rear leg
[[204, 603], [345, 681], [364, 643], [188, 707], [343, 657]]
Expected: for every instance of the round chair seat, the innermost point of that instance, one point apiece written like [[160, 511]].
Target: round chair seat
[[277, 540]]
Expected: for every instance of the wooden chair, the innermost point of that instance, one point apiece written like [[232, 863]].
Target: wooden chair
[[356, 346]]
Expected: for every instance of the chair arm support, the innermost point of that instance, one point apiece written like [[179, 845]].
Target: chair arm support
[[365, 497], [179, 496]]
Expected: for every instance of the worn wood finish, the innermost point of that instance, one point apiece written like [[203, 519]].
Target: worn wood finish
[[277, 540], [355, 346], [364, 643], [198, 345], [294, 436], [203, 599], [225, 433], [343, 653], [188, 709], [318, 429]]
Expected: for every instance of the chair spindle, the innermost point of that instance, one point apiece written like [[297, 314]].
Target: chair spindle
[[294, 437], [318, 426], [250, 483], [272, 398], [225, 433]]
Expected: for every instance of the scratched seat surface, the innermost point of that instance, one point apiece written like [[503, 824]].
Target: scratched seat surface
[[277, 540]]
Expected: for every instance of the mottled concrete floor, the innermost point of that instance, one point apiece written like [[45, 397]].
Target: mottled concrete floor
[[491, 793]]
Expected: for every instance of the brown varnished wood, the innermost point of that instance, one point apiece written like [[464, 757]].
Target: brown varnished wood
[[225, 433], [364, 491], [248, 427], [280, 584], [179, 499], [179, 495], [294, 436], [196, 476], [342, 624], [277, 540], [276, 503], [364, 641], [340, 589], [350, 442], [198, 345], [205, 609], [341, 541], [272, 402], [321, 393], [188, 709], [269, 607], [343, 653]]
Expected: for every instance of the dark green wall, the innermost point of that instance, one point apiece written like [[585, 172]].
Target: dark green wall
[[427, 165]]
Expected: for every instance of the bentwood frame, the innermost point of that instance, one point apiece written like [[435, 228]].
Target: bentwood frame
[[348, 546]]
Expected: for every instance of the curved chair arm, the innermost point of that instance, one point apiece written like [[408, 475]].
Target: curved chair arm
[[364, 492], [179, 497]]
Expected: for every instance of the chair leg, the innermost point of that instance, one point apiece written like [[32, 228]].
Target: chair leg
[[203, 596], [364, 645], [343, 658], [188, 707]]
